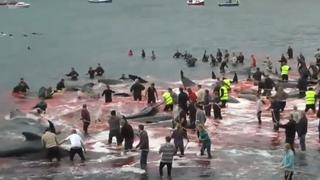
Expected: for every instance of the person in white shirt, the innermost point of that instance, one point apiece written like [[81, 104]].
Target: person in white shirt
[[76, 145], [200, 94]]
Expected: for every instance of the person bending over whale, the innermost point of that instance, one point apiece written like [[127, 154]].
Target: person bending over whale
[[50, 143], [73, 74]]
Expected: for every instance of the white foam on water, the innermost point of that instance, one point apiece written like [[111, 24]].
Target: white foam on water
[[127, 168], [100, 147]]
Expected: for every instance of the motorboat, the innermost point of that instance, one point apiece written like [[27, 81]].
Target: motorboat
[[230, 4], [99, 1], [195, 2]]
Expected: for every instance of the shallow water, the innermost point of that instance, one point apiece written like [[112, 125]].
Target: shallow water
[[75, 33]]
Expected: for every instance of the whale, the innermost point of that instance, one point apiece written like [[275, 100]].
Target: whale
[[150, 110], [134, 77], [21, 136]]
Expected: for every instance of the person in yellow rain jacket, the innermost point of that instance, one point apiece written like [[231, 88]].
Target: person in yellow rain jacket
[[310, 98], [285, 71], [168, 100]]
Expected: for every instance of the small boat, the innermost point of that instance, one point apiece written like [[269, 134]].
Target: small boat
[[99, 1], [196, 2], [230, 3]]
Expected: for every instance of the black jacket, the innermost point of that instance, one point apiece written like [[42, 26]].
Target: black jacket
[[127, 131], [302, 126], [290, 128], [136, 89]]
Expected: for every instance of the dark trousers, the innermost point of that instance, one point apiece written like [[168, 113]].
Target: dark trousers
[[207, 110], [284, 77], [128, 143], [302, 93], [169, 167], [143, 159], [217, 111], [223, 103], [302, 139], [288, 175], [266, 92], [180, 147], [85, 127], [168, 107], [192, 118], [259, 116], [275, 119], [310, 106], [114, 133], [53, 152], [137, 97], [108, 99], [151, 100], [206, 145], [319, 129], [76, 150], [282, 105]]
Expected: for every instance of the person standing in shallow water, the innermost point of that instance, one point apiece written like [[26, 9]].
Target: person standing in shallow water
[[127, 134], [85, 117], [143, 54], [91, 73], [151, 94], [99, 70], [167, 150], [205, 140], [114, 127], [136, 90], [144, 146], [77, 145], [288, 162], [290, 52], [50, 142], [107, 93]]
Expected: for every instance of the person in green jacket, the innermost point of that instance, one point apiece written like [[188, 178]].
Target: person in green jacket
[[205, 140]]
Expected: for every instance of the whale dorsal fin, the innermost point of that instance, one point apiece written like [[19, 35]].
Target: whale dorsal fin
[[31, 136]]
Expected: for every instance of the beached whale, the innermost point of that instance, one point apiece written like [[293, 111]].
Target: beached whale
[[233, 100], [110, 81], [156, 118], [21, 136], [147, 111]]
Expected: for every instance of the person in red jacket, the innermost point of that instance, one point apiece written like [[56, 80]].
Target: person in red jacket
[[192, 95]]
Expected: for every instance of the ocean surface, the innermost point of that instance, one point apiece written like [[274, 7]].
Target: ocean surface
[[74, 33]]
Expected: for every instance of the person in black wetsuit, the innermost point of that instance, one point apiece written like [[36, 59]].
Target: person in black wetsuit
[[213, 60], [91, 73], [240, 58], [143, 54], [73, 74], [136, 90], [99, 70], [22, 87], [60, 85], [290, 52], [183, 99], [257, 75], [151, 94], [222, 66], [219, 55], [107, 93]]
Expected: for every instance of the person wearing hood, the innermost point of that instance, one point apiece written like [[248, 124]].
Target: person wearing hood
[[136, 89], [73, 74]]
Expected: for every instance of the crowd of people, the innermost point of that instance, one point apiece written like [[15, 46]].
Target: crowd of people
[[194, 109]]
